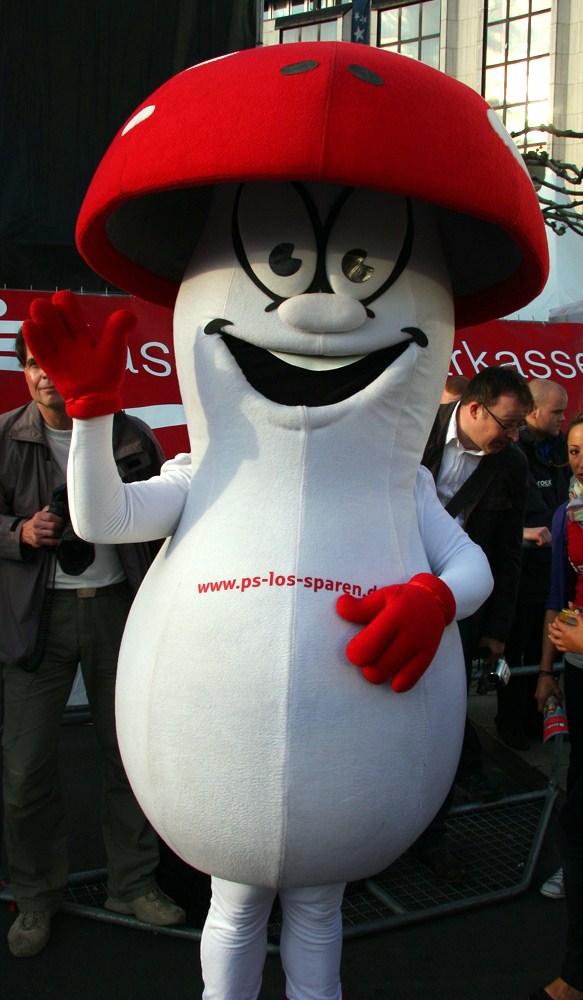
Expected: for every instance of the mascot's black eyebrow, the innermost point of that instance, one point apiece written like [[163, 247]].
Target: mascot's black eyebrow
[[320, 282]]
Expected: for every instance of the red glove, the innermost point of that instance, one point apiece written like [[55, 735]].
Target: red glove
[[405, 623], [88, 375]]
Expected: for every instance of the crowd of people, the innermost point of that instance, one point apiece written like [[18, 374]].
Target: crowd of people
[[502, 468], [547, 579]]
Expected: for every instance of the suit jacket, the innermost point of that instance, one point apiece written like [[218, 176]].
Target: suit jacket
[[493, 519], [28, 477]]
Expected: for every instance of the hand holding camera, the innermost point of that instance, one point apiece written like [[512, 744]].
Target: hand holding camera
[[51, 528], [42, 530], [495, 670]]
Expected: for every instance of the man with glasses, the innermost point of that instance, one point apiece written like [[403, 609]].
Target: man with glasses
[[481, 479]]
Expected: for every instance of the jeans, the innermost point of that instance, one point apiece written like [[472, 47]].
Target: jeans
[[89, 631]]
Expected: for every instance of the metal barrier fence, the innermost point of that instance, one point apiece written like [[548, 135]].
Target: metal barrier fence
[[499, 844]]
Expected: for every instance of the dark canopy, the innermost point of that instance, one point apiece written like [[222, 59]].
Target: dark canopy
[[70, 75]]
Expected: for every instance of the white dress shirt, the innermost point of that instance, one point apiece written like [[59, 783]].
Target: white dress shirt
[[457, 464]]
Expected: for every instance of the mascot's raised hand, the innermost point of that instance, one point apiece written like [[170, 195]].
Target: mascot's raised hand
[[87, 373], [404, 626]]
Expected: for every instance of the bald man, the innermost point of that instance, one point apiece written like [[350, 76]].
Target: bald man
[[545, 448]]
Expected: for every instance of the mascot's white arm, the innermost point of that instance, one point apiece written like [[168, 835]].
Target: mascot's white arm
[[105, 510], [452, 556]]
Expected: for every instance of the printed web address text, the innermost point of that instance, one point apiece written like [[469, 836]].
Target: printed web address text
[[274, 579]]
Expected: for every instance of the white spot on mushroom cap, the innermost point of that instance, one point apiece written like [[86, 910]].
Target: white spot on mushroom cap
[[139, 117], [226, 55], [501, 131]]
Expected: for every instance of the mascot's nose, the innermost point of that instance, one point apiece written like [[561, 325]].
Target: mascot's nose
[[322, 312]]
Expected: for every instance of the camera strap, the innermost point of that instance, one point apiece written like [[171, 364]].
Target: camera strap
[[474, 487]]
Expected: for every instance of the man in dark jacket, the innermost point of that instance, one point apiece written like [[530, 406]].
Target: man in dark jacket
[[64, 605], [549, 473], [481, 479]]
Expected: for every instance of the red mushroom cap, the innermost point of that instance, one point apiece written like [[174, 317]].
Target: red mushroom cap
[[336, 113]]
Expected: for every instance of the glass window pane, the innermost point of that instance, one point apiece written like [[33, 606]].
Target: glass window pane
[[538, 114], [539, 71], [540, 34], [328, 32], [410, 49], [430, 52], [290, 35], [299, 7], [410, 21], [496, 10], [495, 40], [431, 18], [516, 83], [494, 92], [310, 33], [517, 7], [516, 118], [536, 139], [389, 27], [540, 5], [280, 8], [518, 39]]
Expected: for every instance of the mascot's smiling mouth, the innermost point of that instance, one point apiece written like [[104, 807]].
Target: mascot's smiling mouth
[[292, 385]]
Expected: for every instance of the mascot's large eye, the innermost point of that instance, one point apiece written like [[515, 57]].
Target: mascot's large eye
[[369, 242], [274, 239], [282, 261], [355, 268]]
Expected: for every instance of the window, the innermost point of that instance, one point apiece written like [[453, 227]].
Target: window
[[285, 8], [516, 77], [306, 20], [320, 31], [412, 29]]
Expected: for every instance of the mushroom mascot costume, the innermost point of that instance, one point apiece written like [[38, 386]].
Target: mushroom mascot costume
[[291, 691]]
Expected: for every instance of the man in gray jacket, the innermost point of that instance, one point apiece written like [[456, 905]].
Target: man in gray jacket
[[62, 603]]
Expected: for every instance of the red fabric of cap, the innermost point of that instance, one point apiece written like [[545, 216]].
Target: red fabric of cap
[[330, 112]]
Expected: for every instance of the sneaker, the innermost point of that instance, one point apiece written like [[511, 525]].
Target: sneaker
[[154, 908], [478, 788], [554, 887], [29, 933]]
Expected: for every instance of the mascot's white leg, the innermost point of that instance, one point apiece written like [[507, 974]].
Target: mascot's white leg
[[234, 941], [311, 941]]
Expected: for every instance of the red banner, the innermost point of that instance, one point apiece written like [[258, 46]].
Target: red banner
[[150, 389], [537, 350]]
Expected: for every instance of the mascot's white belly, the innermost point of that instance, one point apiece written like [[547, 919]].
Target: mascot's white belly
[[256, 749]]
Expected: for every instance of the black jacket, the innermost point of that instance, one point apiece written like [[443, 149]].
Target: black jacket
[[548, 487], [494, 520]]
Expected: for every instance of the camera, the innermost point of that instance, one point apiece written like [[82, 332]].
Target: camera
[[495, 674], [73, 554]]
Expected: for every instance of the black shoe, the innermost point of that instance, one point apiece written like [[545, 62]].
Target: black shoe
[[443, 865], [514, 737], [478, 788], [540, 994]]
